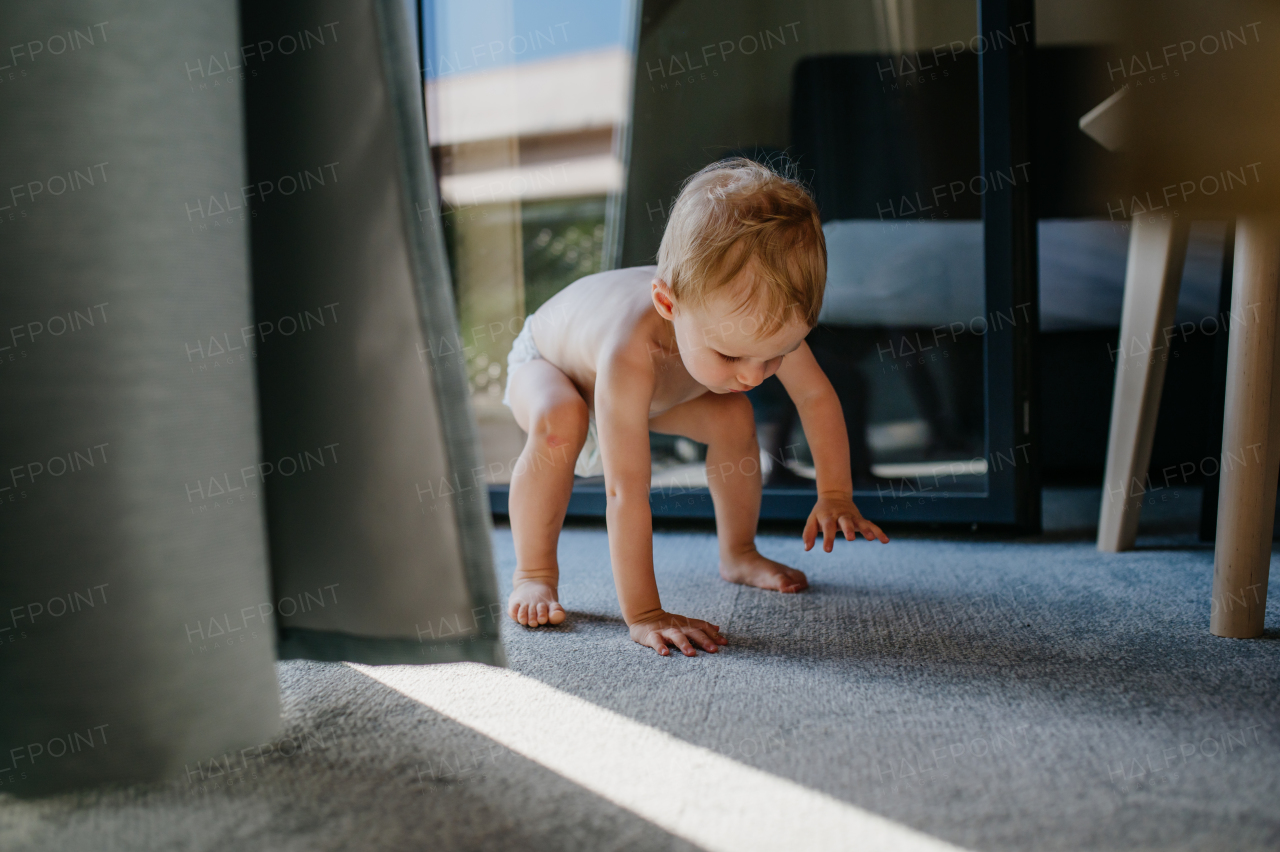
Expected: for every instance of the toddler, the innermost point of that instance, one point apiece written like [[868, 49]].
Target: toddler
[[671, 349]]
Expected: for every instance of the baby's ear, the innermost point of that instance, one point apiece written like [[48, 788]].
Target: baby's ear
[[662, 299]]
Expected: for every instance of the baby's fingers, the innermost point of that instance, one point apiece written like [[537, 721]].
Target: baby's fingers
[[828, 534], [849, 527], [704, 641], [870, 530], [653, 639], [810, 532], [676, 637], [712, 630]]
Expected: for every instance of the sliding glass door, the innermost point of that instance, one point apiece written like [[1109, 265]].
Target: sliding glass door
[[562, 132]]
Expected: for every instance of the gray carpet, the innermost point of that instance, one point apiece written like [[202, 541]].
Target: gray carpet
[[997, 694]]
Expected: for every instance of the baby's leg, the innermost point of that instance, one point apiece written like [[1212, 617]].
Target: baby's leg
[[726, 424], [549, 408]]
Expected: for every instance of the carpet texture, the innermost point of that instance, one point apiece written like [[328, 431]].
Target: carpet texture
[[994, 693]]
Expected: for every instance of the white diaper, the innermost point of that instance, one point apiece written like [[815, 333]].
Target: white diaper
[[525, 350], [522, 351]]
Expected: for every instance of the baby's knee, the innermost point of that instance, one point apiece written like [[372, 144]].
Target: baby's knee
[[562, 423]]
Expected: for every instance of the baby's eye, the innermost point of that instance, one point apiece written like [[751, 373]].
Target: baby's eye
[[729, 358]]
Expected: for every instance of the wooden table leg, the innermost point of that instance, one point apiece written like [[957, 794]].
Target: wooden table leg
[[1157, 250], [1250, 435]]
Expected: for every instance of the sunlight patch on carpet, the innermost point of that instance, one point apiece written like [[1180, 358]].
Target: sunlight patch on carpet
[[689, 791]]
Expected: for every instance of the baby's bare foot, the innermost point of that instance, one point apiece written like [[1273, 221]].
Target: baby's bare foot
[[534, 602], [752, 569]]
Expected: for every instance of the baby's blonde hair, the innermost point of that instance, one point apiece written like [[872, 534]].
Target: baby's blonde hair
[[737, 210]]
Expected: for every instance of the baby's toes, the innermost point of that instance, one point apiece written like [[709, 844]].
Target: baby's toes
[[794, 580], [542, 613], [556, 615]]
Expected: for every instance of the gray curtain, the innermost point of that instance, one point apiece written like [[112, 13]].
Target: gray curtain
[[222, 440]]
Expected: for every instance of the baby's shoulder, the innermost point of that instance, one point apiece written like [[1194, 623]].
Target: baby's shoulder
[[603, 299], [596, 321]]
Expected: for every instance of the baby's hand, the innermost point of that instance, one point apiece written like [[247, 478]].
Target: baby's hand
[[666, 628], [835, 511]]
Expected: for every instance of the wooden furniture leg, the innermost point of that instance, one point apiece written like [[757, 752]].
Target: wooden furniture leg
[[1157, 250], [1250, 435], [1216, 398]]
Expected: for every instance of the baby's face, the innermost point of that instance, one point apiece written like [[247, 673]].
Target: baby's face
[[722, 347]]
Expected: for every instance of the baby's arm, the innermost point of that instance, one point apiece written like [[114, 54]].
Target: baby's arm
[[823, 422], [624, 389]]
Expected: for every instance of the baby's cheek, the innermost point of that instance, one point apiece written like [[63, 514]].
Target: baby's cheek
[[713, 374], [700, 369]]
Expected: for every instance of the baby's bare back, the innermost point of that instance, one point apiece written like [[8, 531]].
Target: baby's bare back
[[605, 313]]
